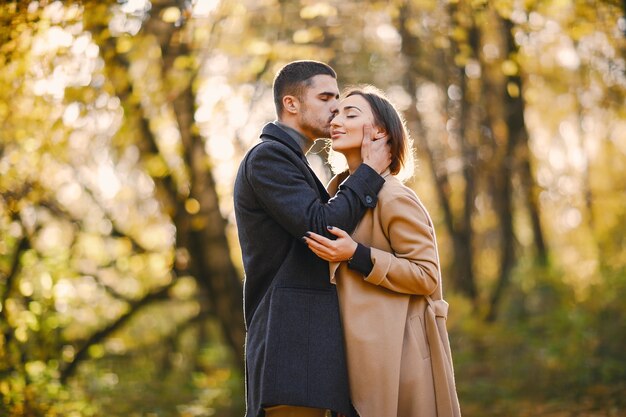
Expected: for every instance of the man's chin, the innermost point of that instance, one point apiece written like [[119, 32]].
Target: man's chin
[[323, 134]]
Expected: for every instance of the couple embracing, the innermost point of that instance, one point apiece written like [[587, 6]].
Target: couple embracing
[[342, 294]]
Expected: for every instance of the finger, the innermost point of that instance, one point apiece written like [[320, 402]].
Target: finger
[[314, 245], [319, 238], [381, 146], [337, 231], [367, 132], [381, 143]]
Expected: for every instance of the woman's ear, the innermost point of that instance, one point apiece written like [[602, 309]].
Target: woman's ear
[[291, 104], [379, 132]]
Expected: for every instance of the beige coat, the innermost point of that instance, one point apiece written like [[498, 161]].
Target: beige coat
[[399, 360]]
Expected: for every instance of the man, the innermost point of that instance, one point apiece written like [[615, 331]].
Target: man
[[295, 359]]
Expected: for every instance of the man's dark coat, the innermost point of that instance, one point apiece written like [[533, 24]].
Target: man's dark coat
[[294, 344]]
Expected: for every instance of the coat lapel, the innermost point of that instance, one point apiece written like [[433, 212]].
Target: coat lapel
[[273, 132]]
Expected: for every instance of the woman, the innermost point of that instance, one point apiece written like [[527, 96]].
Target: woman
[[389, 283]]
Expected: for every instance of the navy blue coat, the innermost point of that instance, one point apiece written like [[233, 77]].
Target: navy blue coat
[[294, 343]]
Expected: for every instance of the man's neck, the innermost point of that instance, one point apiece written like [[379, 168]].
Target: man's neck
[[303, 142]]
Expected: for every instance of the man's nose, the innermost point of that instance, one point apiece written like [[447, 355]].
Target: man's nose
[[334, 108]]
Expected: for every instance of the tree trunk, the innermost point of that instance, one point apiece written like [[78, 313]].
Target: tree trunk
[[462, 273], [531, 199], [208, 245], [203, 235], [516, 145]]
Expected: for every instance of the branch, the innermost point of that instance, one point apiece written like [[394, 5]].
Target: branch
[[24, 242], [103, 333], [116, 231], [23, 245]]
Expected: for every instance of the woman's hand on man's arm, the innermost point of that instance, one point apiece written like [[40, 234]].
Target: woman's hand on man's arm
[[340, 249]]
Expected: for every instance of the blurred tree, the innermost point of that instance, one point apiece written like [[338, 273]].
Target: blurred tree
[[486, 143], [201, 245], [61, 191]]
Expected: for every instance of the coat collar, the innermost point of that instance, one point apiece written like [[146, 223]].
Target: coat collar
[[273, 132]]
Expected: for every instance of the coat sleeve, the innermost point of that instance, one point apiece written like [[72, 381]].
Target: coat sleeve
[[279, 180], [412, 268]]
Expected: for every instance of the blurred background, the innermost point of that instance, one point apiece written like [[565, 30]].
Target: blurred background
[[122, 124]]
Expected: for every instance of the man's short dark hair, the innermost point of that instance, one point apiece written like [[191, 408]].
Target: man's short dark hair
[[294, 77]]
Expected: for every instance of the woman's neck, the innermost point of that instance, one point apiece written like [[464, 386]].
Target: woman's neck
[[354, 160]]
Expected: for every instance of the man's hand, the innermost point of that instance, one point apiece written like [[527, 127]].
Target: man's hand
[[375, 152], [340, 249]]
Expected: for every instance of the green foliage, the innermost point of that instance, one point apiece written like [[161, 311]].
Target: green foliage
[[36, 391], [550, 351], [176, 378]]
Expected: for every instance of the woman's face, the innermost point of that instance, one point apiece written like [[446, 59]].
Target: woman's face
[[346, 128]]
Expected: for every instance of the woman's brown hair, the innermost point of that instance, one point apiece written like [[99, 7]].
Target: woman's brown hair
[[388, 117]]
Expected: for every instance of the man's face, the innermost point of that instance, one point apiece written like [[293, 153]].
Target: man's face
[[318, 106]]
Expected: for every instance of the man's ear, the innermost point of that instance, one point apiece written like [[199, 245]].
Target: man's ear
[[291, 104]]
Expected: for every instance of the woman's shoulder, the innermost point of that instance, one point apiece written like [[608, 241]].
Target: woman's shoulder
[[394, 188], [395, 195]]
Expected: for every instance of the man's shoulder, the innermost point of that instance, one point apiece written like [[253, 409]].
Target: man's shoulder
[[272, 129], [270, 158], [266, 148]]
